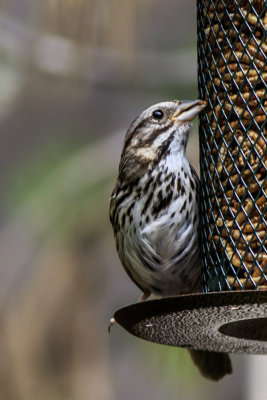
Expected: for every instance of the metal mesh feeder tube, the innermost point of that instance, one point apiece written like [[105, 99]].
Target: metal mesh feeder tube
[[232, 52]]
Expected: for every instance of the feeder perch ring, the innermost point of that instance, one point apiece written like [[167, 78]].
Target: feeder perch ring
[[232, 322]]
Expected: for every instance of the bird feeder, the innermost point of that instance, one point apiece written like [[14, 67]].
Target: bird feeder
[[232, 55], [231, 313]]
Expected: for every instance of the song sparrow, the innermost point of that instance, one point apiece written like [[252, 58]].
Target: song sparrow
[[155, 214]]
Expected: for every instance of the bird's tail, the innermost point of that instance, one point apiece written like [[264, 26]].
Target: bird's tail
[[212, 365]]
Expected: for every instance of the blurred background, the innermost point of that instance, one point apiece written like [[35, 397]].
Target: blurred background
[[73, 75]]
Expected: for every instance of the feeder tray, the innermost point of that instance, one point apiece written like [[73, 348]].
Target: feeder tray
[[232, 322]]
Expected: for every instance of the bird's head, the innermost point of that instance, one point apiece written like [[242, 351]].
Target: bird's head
[[158, 131], [160, 125]]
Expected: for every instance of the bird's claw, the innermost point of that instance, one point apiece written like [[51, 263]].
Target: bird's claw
[[111, 323]]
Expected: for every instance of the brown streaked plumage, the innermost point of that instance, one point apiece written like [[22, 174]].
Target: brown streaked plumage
[[154, 208]]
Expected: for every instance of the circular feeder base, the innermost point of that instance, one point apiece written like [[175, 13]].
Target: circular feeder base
[[231, 322]]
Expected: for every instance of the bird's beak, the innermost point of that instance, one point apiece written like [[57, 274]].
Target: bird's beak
[[188, 110]]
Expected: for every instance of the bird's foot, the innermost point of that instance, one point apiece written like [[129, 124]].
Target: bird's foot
[[144, 297], [111, 323]]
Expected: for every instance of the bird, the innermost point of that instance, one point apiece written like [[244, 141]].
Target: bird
[[154, 211]]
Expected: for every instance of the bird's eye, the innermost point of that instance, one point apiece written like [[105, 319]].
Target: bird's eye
[[158, 114]]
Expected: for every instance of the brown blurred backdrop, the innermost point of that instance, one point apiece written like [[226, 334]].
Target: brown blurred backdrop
[[73, 74]]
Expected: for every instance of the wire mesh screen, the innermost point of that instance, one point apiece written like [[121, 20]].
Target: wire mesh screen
[[232, 75]]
